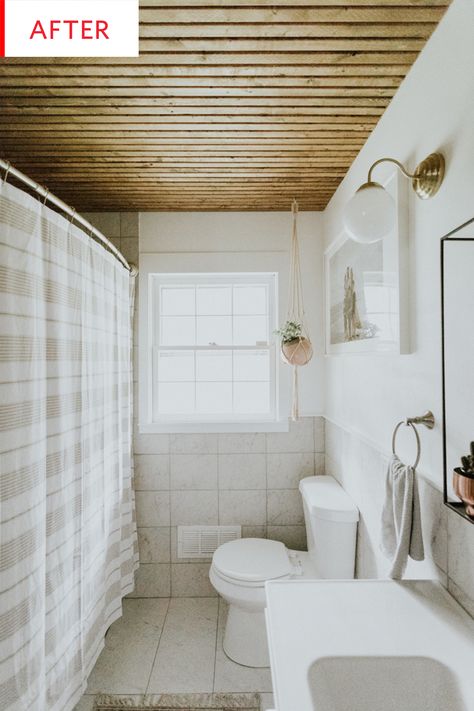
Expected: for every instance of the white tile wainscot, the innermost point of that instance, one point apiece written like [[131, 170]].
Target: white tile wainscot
[[246, 479]]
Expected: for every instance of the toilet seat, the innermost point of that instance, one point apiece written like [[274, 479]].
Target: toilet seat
[[252, 561]]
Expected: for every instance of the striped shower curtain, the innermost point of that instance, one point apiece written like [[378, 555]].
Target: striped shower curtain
[[67, 528]]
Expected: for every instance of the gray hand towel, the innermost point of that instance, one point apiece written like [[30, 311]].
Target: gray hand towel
[[401, 518]]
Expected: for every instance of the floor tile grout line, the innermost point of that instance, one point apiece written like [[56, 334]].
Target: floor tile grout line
[[158, 645], [217, 641]]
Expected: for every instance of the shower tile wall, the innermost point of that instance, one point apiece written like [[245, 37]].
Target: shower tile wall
[[246, 479], [448, 539]]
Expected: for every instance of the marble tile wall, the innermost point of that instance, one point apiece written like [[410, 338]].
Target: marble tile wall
[[246, 479], [448, 539]]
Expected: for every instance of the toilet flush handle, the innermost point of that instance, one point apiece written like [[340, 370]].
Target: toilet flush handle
[[296, 565]]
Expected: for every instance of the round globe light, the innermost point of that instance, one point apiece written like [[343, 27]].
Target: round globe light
[[370, 214]]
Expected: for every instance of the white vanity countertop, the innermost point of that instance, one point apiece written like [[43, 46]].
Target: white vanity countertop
[[309, 620]]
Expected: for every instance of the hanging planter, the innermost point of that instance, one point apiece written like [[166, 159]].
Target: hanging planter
[[299, 351], [296, 347]]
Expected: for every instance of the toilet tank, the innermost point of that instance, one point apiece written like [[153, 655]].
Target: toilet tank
[[331, 526]]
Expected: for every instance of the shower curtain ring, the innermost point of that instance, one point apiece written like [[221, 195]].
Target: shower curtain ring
[[5, 177], [73, 215], [46, 196]]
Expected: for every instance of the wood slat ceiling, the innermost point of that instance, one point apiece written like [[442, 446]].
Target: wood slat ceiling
[[232, 104]]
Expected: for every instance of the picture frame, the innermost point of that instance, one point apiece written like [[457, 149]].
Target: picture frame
[[366, 286]]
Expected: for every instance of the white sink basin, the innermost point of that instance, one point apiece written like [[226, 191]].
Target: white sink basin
[[365, 645], [388, 683]]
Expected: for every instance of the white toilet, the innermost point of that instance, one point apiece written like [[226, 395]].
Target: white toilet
[[241, 568]]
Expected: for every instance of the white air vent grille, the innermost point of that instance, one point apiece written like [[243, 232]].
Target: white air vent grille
[[202, 541]]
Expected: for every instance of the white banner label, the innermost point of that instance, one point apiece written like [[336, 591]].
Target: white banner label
[[69, 28]]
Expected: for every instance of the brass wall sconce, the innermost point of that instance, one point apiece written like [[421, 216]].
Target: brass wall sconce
[[370, 213]]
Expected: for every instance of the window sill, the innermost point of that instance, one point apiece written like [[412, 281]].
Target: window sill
[[213, 427]]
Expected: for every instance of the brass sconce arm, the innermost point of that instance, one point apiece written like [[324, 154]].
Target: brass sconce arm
[[390, 160]]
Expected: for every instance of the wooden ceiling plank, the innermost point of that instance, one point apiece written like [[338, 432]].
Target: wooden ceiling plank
[[200, 123], [84, 84], [334, 115], [143, 123], [160, 15], [339, 142], [152, 102], [261, 32], [208, 176], [229, 191], [283, 44], [179, 61], [314, 170], [137, 156], [161, 77], [172, 4], [112, 154], [80, 74], [193, 92], [183, 169]]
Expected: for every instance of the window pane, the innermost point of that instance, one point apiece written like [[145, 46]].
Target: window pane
[[214, 300], [175, 398], [250, 299], [250, 329], [214, 398], [177, 331], [195, 380], [214, 365], [251, 365], [251, 398], [214, 329], [177, 301], [175, 366]]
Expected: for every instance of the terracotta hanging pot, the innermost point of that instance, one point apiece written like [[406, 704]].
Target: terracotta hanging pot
[[299, 351]]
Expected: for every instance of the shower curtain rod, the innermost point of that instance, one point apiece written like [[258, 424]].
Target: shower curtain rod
[[44, 192]]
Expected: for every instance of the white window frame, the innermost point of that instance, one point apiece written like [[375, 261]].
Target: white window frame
[[195, 266]]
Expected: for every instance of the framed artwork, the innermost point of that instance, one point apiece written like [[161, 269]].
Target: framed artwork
[[366, 287]]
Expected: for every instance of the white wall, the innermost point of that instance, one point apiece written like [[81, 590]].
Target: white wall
[[247, 232], [433, 110], [367, 395]]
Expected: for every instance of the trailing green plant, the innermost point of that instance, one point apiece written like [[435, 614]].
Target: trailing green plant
[[468, 461], [289, 331]]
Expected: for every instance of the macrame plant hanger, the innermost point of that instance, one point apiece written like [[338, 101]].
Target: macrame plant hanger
[[299, 350]]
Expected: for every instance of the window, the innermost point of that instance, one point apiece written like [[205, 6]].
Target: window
[[212, 354]]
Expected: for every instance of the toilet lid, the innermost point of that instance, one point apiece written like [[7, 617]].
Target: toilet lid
[[252, 559]]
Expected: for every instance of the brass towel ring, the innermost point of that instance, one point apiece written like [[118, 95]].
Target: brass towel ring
[[418, 443]]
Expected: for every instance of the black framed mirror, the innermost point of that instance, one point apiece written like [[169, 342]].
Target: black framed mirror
[[457, 310]]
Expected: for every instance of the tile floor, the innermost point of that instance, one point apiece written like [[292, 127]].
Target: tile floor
[[170, 646]]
